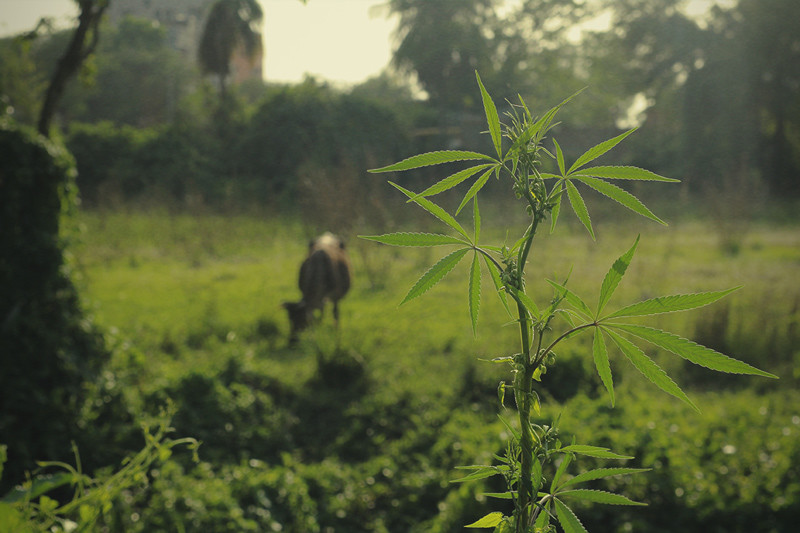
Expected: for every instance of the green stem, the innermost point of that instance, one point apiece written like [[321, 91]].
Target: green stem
[[560, 338], [523, 392]]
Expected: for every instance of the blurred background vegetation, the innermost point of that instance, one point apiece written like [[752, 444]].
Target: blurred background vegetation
[[198, 190]]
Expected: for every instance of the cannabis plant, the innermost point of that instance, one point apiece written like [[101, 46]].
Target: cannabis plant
[[542, 498]]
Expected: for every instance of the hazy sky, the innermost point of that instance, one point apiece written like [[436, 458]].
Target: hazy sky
[[337, 40]]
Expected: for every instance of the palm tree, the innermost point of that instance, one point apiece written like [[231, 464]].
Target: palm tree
[[232, 25]]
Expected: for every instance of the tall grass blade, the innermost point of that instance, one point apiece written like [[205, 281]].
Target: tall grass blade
[[614, 276], [620, 196], [491, 118], [413, 239], [433, 209], [691, 351], [649, 368], [579, 207], [435, 274], [670, 304], [596, 151]]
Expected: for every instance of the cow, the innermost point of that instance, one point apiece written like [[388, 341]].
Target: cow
[[324, 275]]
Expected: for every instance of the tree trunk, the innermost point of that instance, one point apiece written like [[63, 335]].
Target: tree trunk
[[77, 51]]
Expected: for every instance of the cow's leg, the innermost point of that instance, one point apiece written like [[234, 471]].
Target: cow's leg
[[336, 313]]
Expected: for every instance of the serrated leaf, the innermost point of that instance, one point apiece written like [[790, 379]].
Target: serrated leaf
[[537, 475], [614, 276], [451, 181], [620, 196], [476, 218], [670, 304], [556, 207], [600, 354], [476, 187], [481, 472], [691, 351], [435, 274], [540, 127], [494, 273], [593, 451], [562, 468], [490, 520], [572, 298], [511, 429], [500, 495], [433, 209], [413, 239], [474, 292], [598, 496], [544, 517], [579, 207], [600, 473], [559, 158], [432, 158], [649, 368], [40, 486], [596, 151], [526, 302], [567, 518], [625, 173], [491, 117]]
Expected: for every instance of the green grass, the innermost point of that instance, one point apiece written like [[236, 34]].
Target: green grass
[[193, 300], [166, 281]]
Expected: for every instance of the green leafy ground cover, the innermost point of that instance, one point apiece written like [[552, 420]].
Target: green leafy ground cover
[[363, 434]]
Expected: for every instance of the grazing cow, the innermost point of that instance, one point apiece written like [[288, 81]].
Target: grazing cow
[[324, 275]]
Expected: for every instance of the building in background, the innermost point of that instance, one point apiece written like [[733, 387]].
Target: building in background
[[183, 21]]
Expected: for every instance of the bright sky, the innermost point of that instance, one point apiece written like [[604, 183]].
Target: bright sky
[[343, 41], [336, 40]]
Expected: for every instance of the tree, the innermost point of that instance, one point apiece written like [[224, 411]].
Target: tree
[[231, 26], [137, 79], [82, 44], [443, 42], [723, 88], [52, 355], [770, 46]]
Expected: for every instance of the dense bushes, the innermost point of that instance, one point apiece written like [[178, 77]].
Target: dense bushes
[[731, 468], [223, 155], [52, 389]]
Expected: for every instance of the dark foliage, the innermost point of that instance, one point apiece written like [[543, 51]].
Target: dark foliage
[[51, 356]]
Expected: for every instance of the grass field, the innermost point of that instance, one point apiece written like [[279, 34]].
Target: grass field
[[403, 388]]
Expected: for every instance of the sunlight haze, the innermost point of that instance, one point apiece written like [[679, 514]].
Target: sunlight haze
[[337, 41]]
